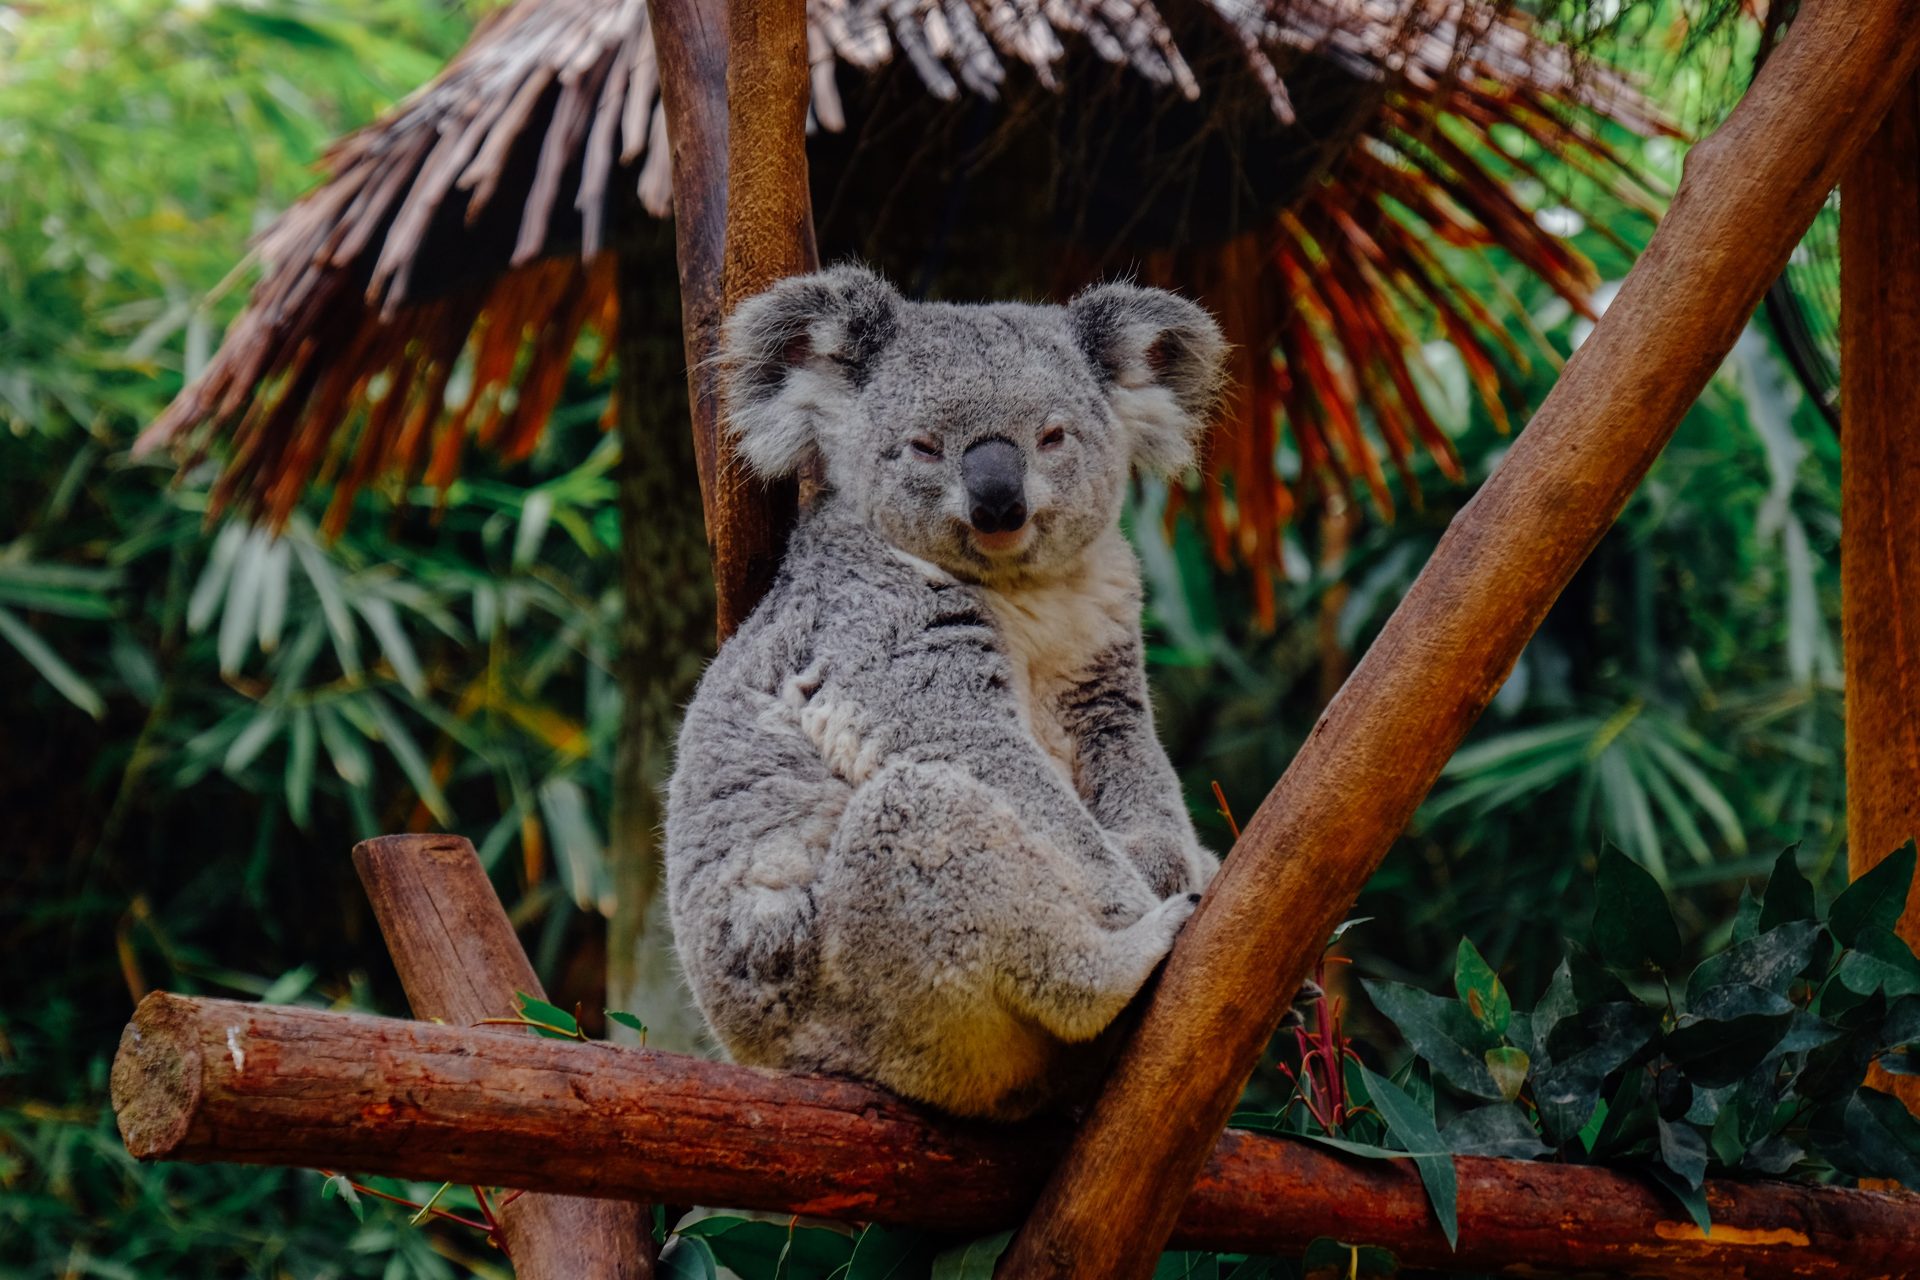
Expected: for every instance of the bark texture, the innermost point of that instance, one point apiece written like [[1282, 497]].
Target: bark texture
[[460, 962], [1748, 194], [1880, 518], [219, 1080], [736, 94]]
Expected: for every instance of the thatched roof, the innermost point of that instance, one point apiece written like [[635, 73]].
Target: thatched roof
[[460, 239]]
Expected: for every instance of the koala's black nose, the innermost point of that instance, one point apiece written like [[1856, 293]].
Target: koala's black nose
[[995, 474]]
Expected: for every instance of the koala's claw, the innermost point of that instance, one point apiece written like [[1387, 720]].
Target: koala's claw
[[1310, 994]]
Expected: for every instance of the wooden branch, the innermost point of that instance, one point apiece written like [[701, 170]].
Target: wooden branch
[[1879, 517], [740, 227], [1749, 192], [460, 962], [220, 1080]]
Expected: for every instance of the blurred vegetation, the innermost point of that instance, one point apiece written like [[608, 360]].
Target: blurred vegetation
[[203, 720]]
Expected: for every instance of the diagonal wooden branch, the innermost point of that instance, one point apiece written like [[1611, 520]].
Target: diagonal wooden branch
[[219, 1080], [1749, 192], [742, 220], [459, 961]]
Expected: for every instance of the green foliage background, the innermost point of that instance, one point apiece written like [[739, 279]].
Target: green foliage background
[[200, 722]]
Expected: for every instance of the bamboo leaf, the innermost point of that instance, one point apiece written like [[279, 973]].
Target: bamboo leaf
[[333, 605], [384, 622], [52, 668], [412, 761]]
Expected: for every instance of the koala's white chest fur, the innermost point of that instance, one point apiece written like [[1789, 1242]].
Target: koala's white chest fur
[[1054, 631]]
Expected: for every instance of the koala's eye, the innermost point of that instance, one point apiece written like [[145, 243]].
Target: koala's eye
[[1053, 437], [924, 447]]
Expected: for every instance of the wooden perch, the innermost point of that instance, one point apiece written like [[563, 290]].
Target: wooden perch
[[1879, 519], [219, 1080], [460, 962], [1749, 193], [735, 73]]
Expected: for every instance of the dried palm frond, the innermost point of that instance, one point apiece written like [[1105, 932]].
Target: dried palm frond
[[432, 290]]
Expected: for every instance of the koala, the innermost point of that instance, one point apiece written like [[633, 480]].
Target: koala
[[919, 829]]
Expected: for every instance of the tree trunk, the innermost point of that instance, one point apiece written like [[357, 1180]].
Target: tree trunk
[[220, 1080], [1880, 517], [1748, 195], [666, 612]]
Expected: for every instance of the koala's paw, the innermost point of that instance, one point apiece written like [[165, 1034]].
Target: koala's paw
[[1170, 863], [1165, 921]]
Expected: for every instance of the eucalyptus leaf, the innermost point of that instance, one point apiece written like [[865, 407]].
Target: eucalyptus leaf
[[1900, 1062], [1684, 1151], [1508, 1067], [1789, 895], [1882, 1139], [1480, 990], [1746, 916], [1413, 1128], [1556, 1002], [973, 1260], [1500, 1129], [1585, 1049], [687, 1258], [628, 1020], [1633, 926], [1880, 961], [1728, 1031], [1691, 1198], [1727, 1137], [1772, 1157], [1340, 930], [566, 1026], [890, 1253], [1902, 1024], [1874, 899], [1592, 983], [1441, 1031], [1770, 960]]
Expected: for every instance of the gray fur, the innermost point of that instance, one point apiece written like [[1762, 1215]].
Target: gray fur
[[919, 829]]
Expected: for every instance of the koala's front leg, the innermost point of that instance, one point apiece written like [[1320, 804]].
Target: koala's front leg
[[1123, 773], [934, 878]]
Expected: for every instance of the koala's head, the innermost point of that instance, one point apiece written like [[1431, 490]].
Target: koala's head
[[993, 441]]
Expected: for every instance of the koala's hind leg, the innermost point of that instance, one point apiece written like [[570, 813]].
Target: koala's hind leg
[[947, 888]]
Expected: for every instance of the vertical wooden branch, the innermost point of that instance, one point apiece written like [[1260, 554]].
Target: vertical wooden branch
[[1749, 193], [460, 962], [1879, 481], [743, 220]]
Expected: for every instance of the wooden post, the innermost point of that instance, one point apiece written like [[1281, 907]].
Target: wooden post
[[460, 962], [743, 219], [1880, 498], [220, 1080], [1749, 192]]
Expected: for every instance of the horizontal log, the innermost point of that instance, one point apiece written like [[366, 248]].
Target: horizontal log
[[216, 1080]]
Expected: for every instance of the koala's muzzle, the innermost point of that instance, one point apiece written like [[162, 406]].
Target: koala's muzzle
[[995, 475]]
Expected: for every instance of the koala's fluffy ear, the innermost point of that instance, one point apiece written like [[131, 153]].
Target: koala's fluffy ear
[[793, 355], [1163, 363]]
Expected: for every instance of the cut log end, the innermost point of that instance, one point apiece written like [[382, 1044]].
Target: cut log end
[[438, 848], [156, 1084]]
